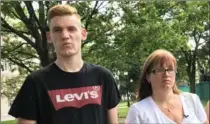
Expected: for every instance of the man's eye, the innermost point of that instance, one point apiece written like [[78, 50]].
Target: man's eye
[[56, 30], [71, 29]]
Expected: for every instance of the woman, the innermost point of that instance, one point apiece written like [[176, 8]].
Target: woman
[[159, 99], [207, 110]]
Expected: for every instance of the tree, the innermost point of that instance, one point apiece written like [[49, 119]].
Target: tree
[[120, 34], [129, 82], [10, 86], [145, 28], [191, 21], [25, 26], [27, 20]]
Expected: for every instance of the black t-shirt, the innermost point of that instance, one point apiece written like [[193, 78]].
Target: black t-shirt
[[52, 96]]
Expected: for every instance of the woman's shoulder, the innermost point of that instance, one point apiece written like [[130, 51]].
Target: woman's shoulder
[[141, 111], [142, 105], [186, 93], [191, 96]]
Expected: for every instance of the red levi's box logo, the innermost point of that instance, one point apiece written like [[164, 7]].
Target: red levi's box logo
[[76, 97]]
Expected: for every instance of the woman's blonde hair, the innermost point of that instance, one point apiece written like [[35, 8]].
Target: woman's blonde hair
[[161, 57]]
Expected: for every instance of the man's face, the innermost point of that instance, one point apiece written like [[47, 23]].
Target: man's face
[[66, 35]]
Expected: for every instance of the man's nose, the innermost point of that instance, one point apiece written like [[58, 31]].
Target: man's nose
[[65, 34]]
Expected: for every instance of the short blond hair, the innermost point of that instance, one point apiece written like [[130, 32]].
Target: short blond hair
[[61, 10]]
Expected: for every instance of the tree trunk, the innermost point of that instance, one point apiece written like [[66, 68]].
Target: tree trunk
[[128, 99], [193, 72], [192, 84], [190, 57]]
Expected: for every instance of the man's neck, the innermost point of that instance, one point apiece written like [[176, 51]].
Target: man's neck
[[71, 64]]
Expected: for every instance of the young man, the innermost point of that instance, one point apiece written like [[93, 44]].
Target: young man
[[67, 91]]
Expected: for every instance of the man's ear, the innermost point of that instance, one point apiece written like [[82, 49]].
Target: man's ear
[[48, 37], [84, 34]]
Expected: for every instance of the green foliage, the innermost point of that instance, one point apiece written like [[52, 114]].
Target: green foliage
[[11, 85], [190, 20], [9, 122], [121, 34], [16, 51]]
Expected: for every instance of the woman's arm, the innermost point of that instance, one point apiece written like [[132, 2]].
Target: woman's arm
[[207, 110], [200, 111]]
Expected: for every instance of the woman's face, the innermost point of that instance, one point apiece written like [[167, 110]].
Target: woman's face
[[162, 77]]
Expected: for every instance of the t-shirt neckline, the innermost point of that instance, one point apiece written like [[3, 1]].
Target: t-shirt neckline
[[166, 117], [74, 73]]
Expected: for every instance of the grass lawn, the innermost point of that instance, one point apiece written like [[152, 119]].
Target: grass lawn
[[9, 122], [204, 102], [122, 111]]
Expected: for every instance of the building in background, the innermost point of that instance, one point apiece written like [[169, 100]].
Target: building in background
[[6, 72]]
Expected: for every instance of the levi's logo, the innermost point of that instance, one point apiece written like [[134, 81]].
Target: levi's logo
[[76, 97]]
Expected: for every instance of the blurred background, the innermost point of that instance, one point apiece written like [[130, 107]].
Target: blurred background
[[121, 35]]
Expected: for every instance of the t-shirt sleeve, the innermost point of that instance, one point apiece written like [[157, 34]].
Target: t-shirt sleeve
[[24, 105], [200, 112], [113, 92], [132, 116]]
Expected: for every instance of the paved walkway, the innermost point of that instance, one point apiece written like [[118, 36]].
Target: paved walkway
[[6, 117], [121, 120]]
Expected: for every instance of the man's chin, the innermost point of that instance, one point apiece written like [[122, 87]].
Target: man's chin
[[68, 54]]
